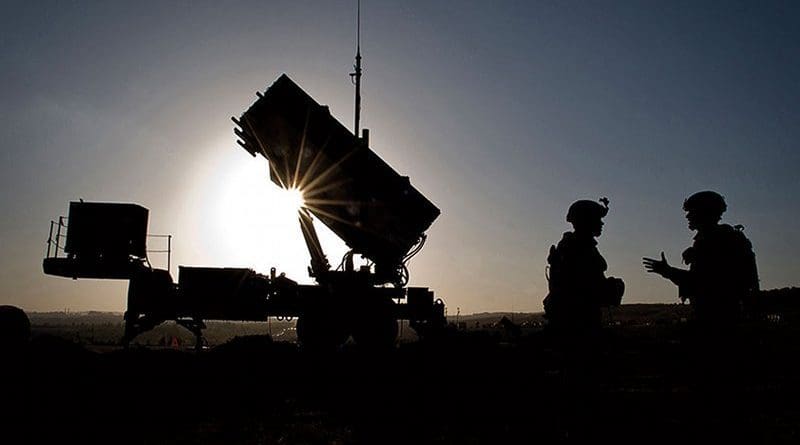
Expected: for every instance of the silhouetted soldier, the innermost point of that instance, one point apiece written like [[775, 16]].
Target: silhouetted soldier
[[579, 290], [578, 285], [722, 276]]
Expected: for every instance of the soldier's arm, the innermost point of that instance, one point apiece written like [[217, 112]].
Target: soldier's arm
[[676, 275]]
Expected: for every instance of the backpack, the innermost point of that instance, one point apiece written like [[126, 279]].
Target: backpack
[[552, 270]]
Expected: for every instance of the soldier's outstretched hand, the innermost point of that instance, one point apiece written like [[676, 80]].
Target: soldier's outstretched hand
[[660, 267]]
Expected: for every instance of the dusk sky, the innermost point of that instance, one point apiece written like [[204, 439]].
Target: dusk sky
[[501, 113]]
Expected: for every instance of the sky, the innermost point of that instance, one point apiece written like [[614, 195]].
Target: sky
[[502, 114]]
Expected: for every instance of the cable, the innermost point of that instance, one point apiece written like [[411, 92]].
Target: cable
[[416, 248], [403, 268], [344, 259]]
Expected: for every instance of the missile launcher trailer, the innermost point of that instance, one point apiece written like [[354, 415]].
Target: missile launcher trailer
[[373, 209], [345, 184]]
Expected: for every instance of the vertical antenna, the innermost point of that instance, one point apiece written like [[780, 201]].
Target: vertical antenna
[[356, 76]]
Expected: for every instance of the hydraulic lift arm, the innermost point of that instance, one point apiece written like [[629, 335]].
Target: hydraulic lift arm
[[319, 263]]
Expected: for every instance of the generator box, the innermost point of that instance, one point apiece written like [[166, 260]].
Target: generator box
[[223, 293], [106, 231]]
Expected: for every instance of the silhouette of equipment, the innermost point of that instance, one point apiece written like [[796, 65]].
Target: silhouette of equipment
[[103, 240], [345, 185], [15, 328]]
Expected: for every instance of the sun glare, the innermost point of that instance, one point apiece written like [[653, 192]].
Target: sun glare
[[292, 200], [254, 223]]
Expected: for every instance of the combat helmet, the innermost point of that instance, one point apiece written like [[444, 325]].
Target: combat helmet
[[585, 209], [705, 202]]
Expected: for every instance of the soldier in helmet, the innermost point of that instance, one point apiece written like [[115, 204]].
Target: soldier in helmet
[[722, 276], [578, 285]]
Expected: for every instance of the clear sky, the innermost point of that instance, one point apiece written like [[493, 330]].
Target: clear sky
[[502, 113]]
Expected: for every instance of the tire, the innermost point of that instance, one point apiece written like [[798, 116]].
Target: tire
[[375, 325], [319, 331]]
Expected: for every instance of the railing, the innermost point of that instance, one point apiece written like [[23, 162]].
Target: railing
[[54, 245], [168, 250]]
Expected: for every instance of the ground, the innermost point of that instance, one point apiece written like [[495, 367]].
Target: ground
[[636, 382]]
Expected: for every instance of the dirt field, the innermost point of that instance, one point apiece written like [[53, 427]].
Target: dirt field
[[646, 382]]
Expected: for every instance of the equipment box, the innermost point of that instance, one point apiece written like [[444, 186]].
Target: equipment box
[[110, 231], [223, 293]]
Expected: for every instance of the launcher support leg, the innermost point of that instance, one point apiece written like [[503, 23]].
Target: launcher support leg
[[136, 324], [195, 326]]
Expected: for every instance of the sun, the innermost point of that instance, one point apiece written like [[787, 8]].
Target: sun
[[291, 200], [253, 223]]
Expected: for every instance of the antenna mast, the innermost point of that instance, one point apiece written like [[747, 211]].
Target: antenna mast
[[356, 76]]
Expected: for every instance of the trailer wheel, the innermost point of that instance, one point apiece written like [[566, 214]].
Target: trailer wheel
[[375, 325], [320, 331]]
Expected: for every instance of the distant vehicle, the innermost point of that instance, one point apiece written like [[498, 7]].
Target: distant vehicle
[[365, 202]]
